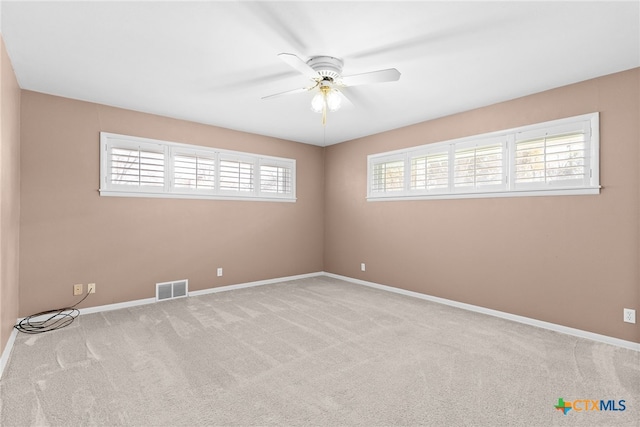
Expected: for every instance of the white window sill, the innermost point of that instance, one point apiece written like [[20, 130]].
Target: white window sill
[[116, 193], [479, 195]]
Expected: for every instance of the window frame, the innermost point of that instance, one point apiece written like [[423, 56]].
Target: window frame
[[190, 152], [140, 145], [559, 129], [109, 141], [508, 187], [240, 159], [277, 163], [476, 144], [392, 158], [426, 153]]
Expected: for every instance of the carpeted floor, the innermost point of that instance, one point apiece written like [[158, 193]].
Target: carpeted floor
[[318, 352]]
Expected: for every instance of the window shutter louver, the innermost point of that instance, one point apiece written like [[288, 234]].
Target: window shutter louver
[[480, 166], [137, 167], [275, 179], [194, 172], [388, 176], [236, 175], [552, 159], [430, 171]]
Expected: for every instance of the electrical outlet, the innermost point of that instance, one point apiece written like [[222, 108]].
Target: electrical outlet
[[91, 288], [362, 267], [629, 315], [77, 289], [219, 271]]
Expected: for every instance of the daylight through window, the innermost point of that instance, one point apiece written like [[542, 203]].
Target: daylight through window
[[552, 158], [132, 166]]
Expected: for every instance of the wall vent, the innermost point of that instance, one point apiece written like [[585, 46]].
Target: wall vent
[[171, 290]]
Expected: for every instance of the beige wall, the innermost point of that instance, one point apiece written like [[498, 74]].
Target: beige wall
[[569, 260], [9, 195], [69, 234]]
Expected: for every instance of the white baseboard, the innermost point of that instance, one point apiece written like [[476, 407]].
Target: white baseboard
[[513, 317], [251, 284], [7, 350], [116, 306]]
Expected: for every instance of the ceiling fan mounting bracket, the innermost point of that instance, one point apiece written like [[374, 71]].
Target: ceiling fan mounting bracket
[[326, 66]]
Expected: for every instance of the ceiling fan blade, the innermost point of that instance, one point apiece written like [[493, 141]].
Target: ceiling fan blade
[[288, 92], [346, 101], [273, 17], [298, 64], [381, 76]]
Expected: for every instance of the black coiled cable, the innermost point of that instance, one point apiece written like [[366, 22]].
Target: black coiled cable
[[58, 319]]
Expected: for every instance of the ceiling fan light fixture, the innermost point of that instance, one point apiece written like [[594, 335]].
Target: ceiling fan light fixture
[[333, 100], [317, 103], [328, 98]]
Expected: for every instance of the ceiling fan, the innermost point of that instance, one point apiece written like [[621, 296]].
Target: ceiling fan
[[326, 74]]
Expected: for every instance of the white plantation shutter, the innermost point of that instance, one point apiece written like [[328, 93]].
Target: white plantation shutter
[[236, 174], [276, 178], [388, 175], [194, 171], [479, 167], [430, 171], [559, 156], [140, 166]]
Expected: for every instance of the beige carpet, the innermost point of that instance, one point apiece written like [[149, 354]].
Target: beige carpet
[[318, 352]]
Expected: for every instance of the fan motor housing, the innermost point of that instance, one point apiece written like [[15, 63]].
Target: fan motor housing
[[326, 66]]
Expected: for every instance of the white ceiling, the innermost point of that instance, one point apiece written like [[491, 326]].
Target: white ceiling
[[211, 62]]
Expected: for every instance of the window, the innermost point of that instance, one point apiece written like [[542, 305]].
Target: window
[[236, 174], [557, 156], [388, 175], [479, 167], [137, 166], [551, 158], [194, 171], [132, 166], [430, 171], [275, 178]]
